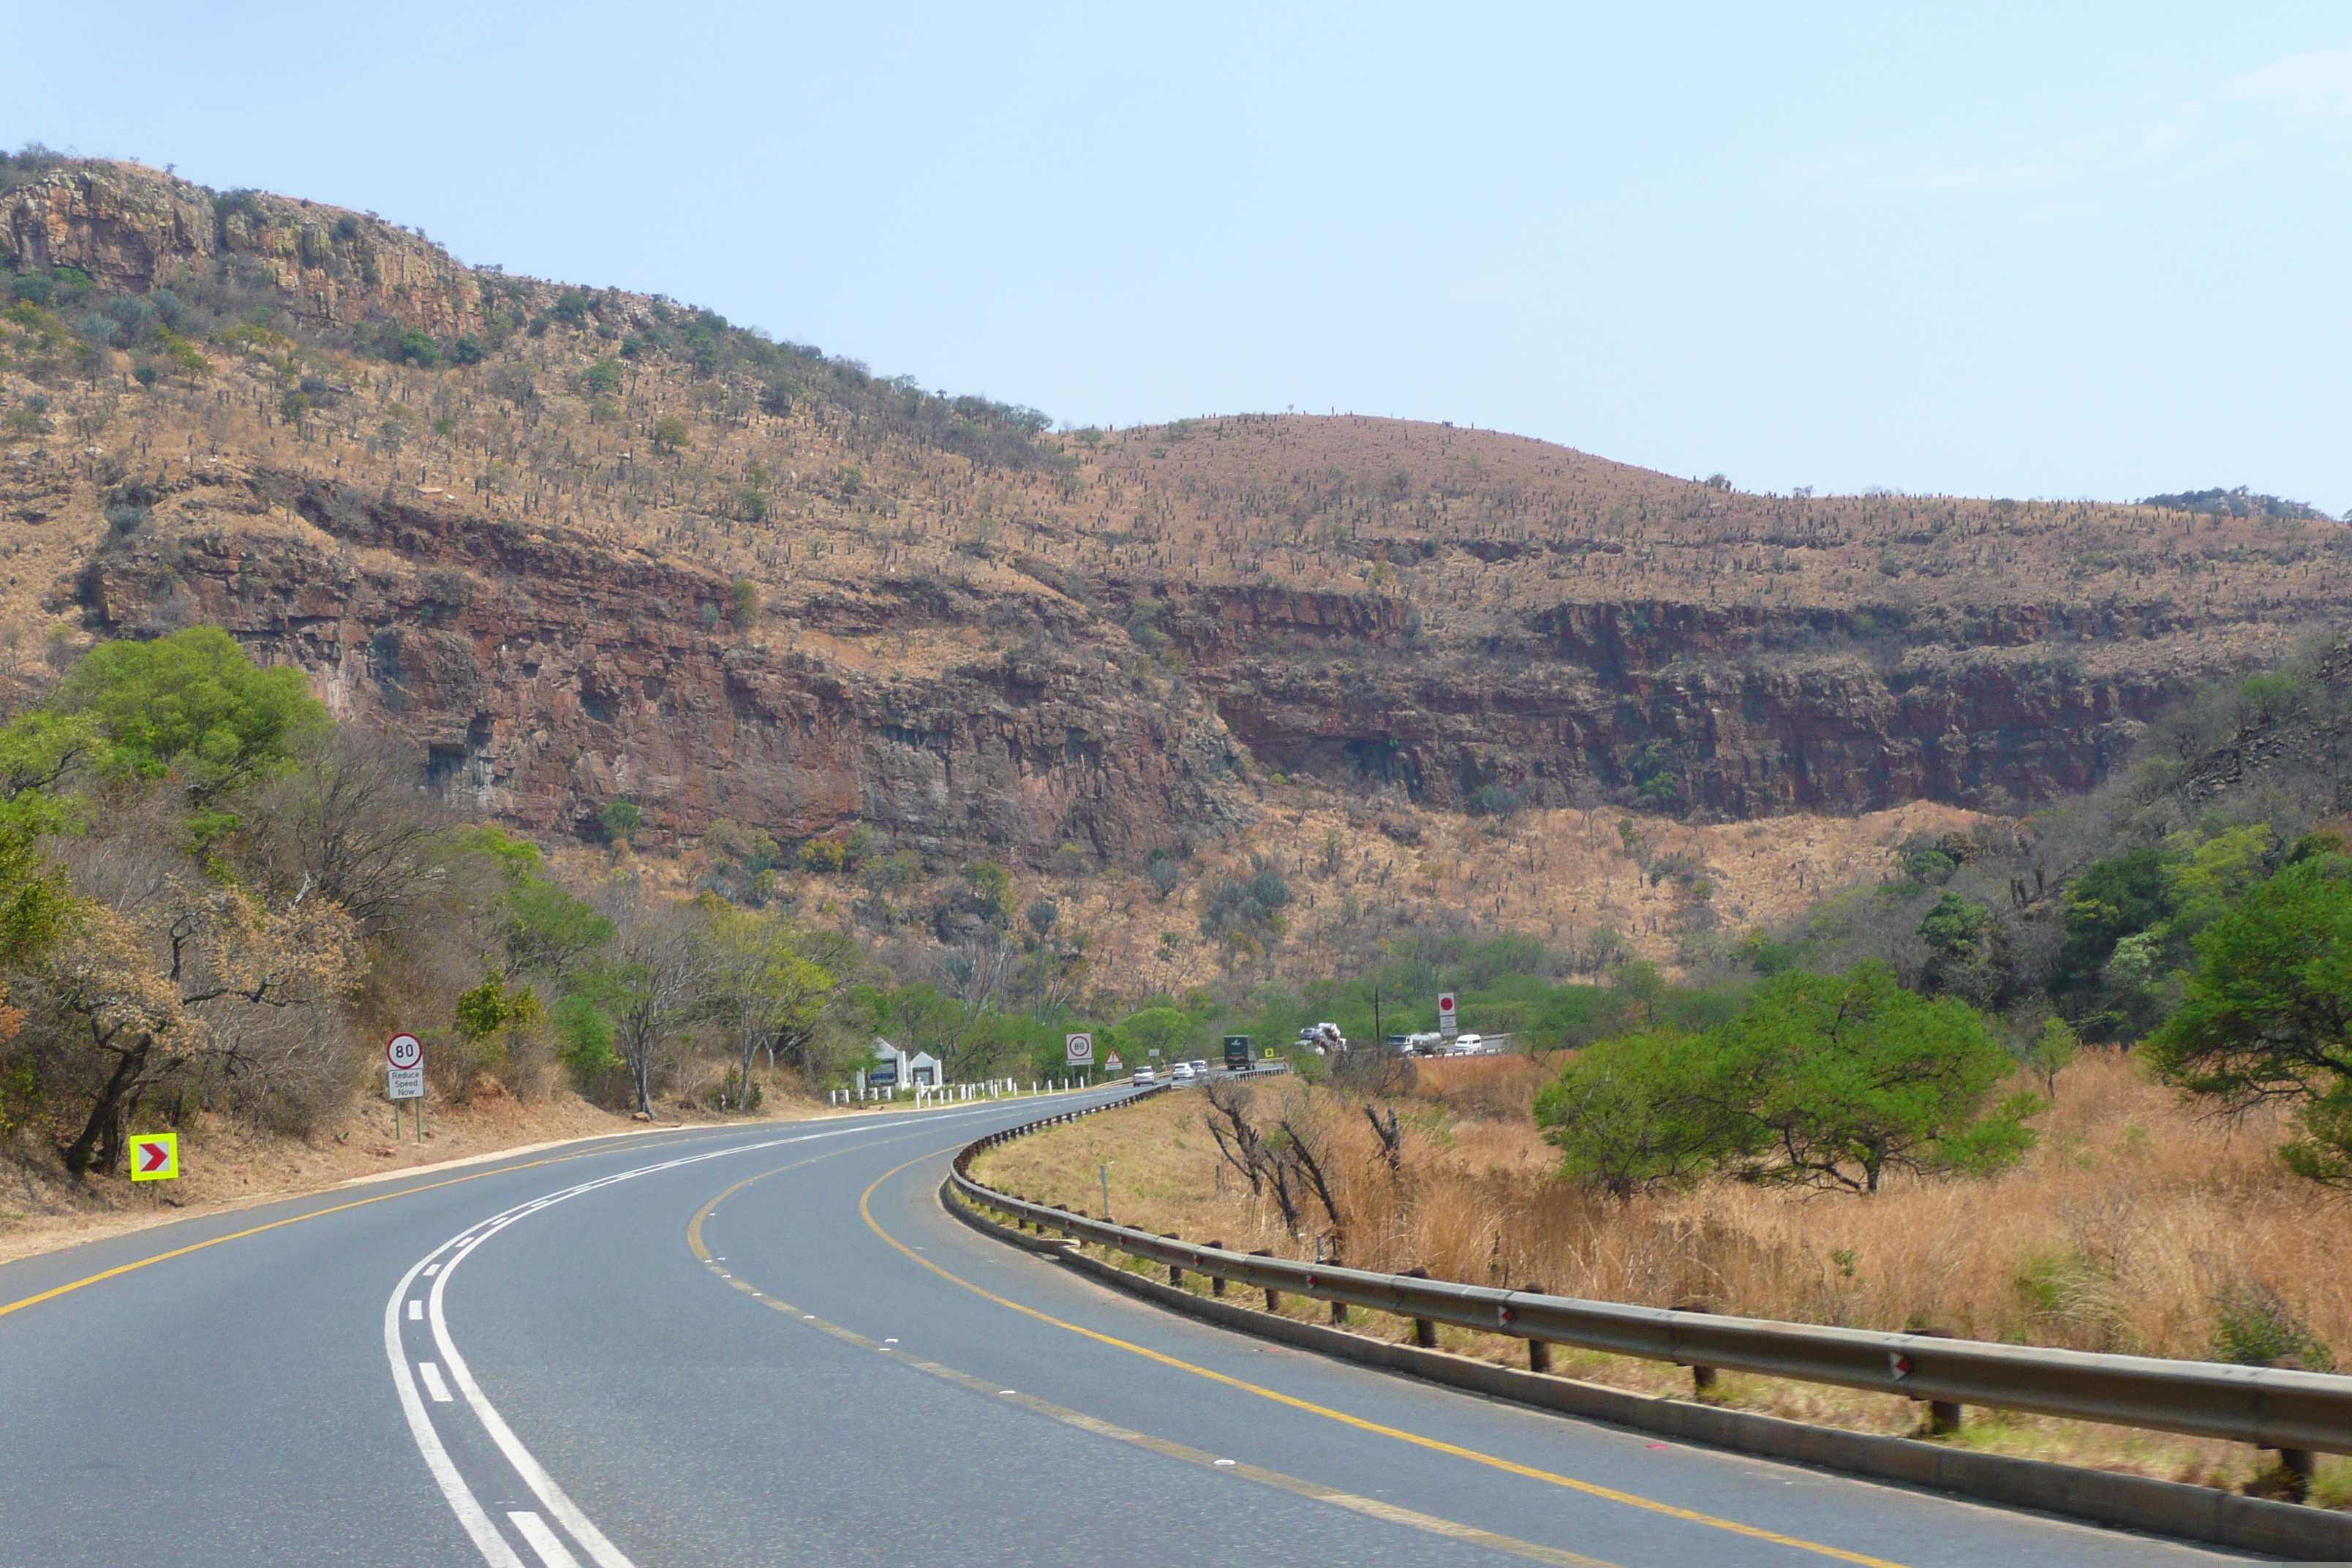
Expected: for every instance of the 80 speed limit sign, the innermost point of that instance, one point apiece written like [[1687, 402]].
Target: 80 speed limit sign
[[404, 1051]]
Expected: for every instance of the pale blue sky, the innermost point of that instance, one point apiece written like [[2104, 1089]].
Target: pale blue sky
[[2009, 250]]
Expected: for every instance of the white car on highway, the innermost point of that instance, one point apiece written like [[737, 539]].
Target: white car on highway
[[1181, 1073]]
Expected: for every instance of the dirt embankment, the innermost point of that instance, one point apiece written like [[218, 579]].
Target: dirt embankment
[[226, 1166]]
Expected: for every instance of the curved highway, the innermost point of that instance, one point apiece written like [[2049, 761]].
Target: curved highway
[[769, 1345]]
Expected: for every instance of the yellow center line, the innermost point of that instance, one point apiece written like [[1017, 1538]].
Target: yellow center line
[[1316, 1491], [1754, 1533], [51, 1295]]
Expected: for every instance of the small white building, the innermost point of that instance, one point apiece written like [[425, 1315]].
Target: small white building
[[896, 1068]]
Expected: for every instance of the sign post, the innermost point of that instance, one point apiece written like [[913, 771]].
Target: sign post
[[1078, 1050], [1446, 1022], [155, 1157], [404, 1079]]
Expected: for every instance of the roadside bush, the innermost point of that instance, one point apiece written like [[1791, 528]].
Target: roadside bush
[[2254, 1326]]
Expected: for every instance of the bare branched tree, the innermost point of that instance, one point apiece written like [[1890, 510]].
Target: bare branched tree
[[353, 820], [654, 987]]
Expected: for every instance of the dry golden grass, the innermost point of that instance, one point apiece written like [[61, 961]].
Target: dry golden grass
[[1558, 875], [2116, 1233]]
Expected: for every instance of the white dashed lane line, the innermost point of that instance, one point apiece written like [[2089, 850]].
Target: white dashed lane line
[[433, 1383], [543, 1541]]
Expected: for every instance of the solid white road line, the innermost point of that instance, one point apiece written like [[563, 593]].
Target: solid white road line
[[416, 1309], [471, 1518], [543, 1541], [433, 1383], [439, 1268]]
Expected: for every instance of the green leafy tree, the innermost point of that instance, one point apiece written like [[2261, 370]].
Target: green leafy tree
[[1653, 1109], [193, 702], [2267, 1016], [192, 707], [671, 434], [1853, 1076], [2050, 1052], [1168, 1030], [2113, 900], [772, 984]]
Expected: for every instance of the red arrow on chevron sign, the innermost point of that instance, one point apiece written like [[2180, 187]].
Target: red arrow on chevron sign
[[154, 1156]]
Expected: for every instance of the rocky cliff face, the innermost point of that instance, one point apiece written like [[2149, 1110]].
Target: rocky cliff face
[[1676, 706], [541, 678], [133, 230]]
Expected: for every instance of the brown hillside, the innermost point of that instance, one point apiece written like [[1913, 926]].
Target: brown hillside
[[986, 641]]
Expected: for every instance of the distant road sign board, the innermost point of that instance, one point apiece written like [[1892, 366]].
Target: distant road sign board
[[1112, 1064], [404, 1051], [1078, 1050], [1446, 1022], [404, 1083], [155, 1157]]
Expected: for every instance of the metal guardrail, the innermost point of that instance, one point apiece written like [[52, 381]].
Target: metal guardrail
[[2295, 1412]]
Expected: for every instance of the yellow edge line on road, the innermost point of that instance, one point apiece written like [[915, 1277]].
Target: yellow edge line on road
[[1754, 1533], [1315, 1491], [51, 1295]]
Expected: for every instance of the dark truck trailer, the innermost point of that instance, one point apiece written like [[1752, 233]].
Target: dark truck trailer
[[1238, 1053]]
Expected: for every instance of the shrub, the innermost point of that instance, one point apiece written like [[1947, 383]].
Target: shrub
[[584, 1036], [33, 288], [743, 603], [620, 820], [824, 856], [466, 351], [406, 346], [2254, 1326], [1495, 800], [671, 433]]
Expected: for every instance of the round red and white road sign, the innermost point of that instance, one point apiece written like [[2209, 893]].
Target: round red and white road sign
[[404, 1051], [1445, 1003]]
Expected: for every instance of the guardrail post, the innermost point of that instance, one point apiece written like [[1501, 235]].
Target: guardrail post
[[1538, 1351], [2295, 1469], [1943, 1416], [1175, 1271], [1272, 1295], [1217, 1281], [1339, 1309], [1424, 1332], [1702, 1377]]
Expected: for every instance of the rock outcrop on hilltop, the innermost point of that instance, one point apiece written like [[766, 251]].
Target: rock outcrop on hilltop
[[133, 230], [580, 546]]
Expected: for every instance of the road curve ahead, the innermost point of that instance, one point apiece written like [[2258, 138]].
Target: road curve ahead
[[769, 1345]]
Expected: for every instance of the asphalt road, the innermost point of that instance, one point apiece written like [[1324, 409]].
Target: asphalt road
[[769, 1345]]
